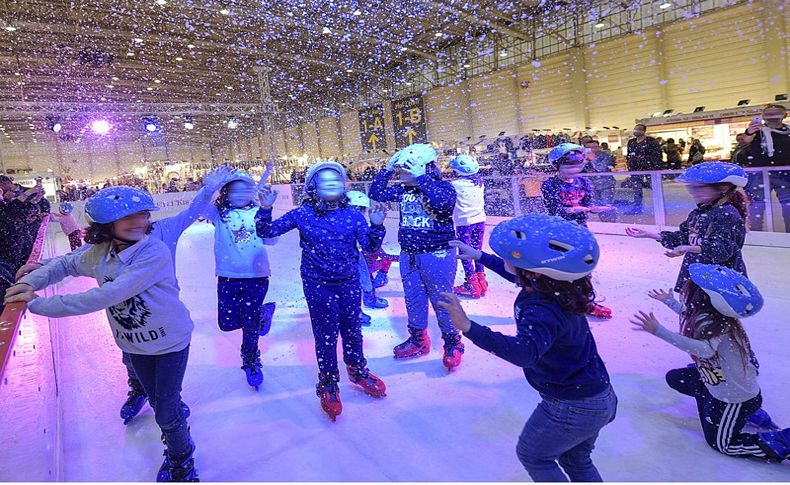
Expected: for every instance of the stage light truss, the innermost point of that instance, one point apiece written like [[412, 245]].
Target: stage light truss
[[29, 108]]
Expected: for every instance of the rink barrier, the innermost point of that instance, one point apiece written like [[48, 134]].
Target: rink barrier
[[665, 203], [13, 312]]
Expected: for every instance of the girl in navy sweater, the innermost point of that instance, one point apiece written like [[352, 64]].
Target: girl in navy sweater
[[331, 232], [550, 259], [427, 262]]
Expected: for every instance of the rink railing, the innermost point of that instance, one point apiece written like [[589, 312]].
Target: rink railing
[[13, 312], [664, 203]]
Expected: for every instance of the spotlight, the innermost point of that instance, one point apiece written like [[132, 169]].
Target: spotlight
[[780, 97], [743, 102], [150, 124], [699, 109], [189, 123], [54, 124], [600, 25], [665, 5], [233, 124], [100, 126]]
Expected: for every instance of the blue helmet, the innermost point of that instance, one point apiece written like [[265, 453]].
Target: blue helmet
[[563, 149], [240, 176], [730, 293], [358, 199], [113, 203], [65, 207], [465, 165], [715, 173], [417, 153], [549, 245]]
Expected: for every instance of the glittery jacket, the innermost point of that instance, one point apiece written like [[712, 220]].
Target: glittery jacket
[[238, 251]]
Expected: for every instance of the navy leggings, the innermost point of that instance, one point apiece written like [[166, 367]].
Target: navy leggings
[[334, 309], [239, 301], [473, 236]]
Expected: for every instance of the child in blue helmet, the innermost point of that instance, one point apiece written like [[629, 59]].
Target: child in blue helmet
[[330, 233], [138, 289], [724, 380], [427, 261], [714, 232], [571, 197], [68, 224], [550, 259], [469, 217], [362, 202], [242, 267]]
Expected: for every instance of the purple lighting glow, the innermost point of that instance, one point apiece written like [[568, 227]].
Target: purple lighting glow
[[100, 127]]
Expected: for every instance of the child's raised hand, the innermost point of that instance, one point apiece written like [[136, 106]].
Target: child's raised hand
[[465, 251], [661, 295], [267, 196], [377, 214], [644, 322], [390, 166], [415, 169], [452, 304], [641, 233], [20, 292]]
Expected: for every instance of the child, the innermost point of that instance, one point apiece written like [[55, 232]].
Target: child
[[724, 380], [68, 224], [569, 196], [469, 217], [137, 287], [550, 259], [242, 268], [169, 231], [329, 232], [362, 202], [379, 262], [427, 262], [714, 232]]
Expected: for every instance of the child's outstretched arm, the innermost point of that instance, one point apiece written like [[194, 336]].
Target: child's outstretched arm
[[494, 263], [667, 299], [533, 339], [381, 191], [647, 322], [147, 270]]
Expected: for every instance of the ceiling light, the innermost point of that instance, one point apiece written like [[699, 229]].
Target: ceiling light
[[438, 34], [190, 46], [229, 88], [157, 81], [225, 11], [130, 54], [404, 49], [10, 28], [357, 12], [665, 5], [467, 66], [138, 40], [326, 30], [328, 78], [408, 84], [100, 126], [233, 124], [189, 125], [349, 70], [115, 78], [109, 86], [179, 59], [161, 2], [503, 54], [149, 88], [17, 74], [600, 25]]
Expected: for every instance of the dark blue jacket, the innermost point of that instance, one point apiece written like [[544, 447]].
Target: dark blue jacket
[[328, 241], [559, 196], [718, 229], [426, 211], [555, 348]]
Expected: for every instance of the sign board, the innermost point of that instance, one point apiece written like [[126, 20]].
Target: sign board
[[408, 118], [371, 128]]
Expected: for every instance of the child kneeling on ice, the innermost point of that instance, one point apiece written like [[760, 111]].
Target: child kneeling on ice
[[724, 379], [551, 260], [138, 289], [329, 231]]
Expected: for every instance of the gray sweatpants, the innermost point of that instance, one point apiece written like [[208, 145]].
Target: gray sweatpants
[[424, 277]]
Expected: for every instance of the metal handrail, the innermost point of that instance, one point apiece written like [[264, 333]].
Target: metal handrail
[[11, 317]]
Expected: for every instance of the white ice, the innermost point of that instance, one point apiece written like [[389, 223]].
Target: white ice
[[432, 426]]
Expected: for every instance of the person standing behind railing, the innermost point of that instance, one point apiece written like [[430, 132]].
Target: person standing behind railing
[[644, 153], [603, 185], [769, 145]]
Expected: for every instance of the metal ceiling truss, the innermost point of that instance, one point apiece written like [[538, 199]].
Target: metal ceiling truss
[[30, 108]]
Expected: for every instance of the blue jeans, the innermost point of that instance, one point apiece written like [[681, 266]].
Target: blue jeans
[[424, 277], [161, 377], [565, 431], [364, 275]]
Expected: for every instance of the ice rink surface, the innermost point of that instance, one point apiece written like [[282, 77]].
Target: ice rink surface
[[432, 426]]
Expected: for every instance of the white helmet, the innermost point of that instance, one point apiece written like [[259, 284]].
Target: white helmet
[[358, 199], [418, 153], [318, 166]]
